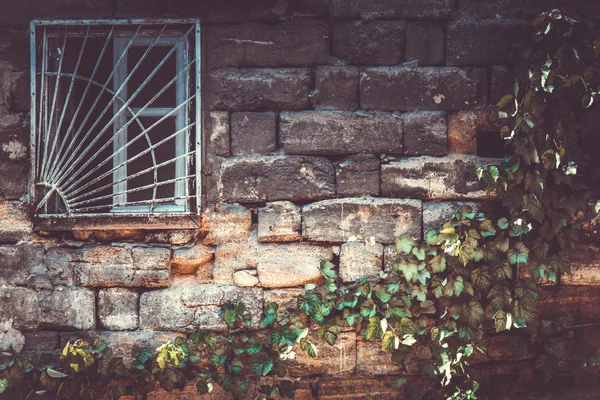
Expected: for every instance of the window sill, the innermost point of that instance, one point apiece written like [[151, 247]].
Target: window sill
[[117, 222]]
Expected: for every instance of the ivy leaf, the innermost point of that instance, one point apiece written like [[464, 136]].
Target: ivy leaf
[[419, 253], [404, 243], [431, 237], [481, 278], [502, 321], [55, 374], [328, 270], [499, 297], [373, 329], [486, 228], [262, 366], [474, 313], [465, 253], [400, 382], [458, 286], [419, 292], [519, 255], [502, 223], [389, 341], [409, 270], [438, 264], [3, 385], [546, 367], [381, 293]]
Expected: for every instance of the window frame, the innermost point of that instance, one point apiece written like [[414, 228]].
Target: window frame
[[179, 215]]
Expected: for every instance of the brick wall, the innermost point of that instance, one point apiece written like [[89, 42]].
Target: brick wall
[[330, 127]]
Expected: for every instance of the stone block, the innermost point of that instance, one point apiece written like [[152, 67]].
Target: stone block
[[15, 224], [231, 257], [506, 8], [14, 136], [358, 175], [415, 88], [218, 128], [341, 220], [435, 214], [112, 275], [368, 42], [285, 44], [189, 260], [585, 266], [258, 89], [372, 360], [193, 305], [463, 127], [151, 257], [105, 254], [391, 9], [279, 221], [262, 178], [339, 359], [225, 223], [340, 132], [503, 83], [122, 344], [246, 278], [118, 309], [450, 177], [482, 41], [13, 180], [291, 264], [61, 309], [19, 262], [425, 133], [253, 133], [336, 88], [41, 347], [359, 260], [425, 43], [286, 298]]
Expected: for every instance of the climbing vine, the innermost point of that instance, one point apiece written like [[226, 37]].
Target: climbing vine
[[475, 276]]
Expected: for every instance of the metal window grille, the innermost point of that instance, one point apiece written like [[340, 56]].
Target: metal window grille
[[115, 117]]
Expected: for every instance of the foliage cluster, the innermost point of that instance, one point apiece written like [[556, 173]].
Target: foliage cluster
[[474, 277]]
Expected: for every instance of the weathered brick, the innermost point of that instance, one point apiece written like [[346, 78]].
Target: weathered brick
[[339, 359], [285, 44], [278, 265], [358, 175], [425, 132], [41, 347], [246, 278], [192, 305], [62, 308], [19, 13], [369, 42], [13, 138], [189, 260], [503, 83], [434, 178], [15, 224], [279, 222], [118, 309], [463, 127], [359, 387], [291, 264], [372, 360], [226, 223], [122, 344], [218, 128], [482, 42], [435, 214], [425, 43], [286, 298], [360, 260], [413, 88], [19, 262], [112, 275], [258, 89], [340, 132], [585, 266], [253, 133], [150, 257], [267, 178], [336, 88], [342, 219], [391, 9], [13, 180]]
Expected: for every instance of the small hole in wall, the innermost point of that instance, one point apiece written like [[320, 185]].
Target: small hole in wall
[[491, 144]]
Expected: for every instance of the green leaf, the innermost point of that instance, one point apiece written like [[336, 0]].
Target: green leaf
[[236, 366], [409, 270], [388, 341], [381, 293], [3, 385], [400, 382], [419, 253], [308, 346], [373, 329], [438, 264], [519, 255], [261, 366], [486, 229], [328, 270], [309, 286], [494, 173], [458, 286], [404, 243], [481, 278], [56, 374], [431, 237], [504, 101], [502, 223], [474, 313]]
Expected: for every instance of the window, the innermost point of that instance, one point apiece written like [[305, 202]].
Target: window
[[115, 118]]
